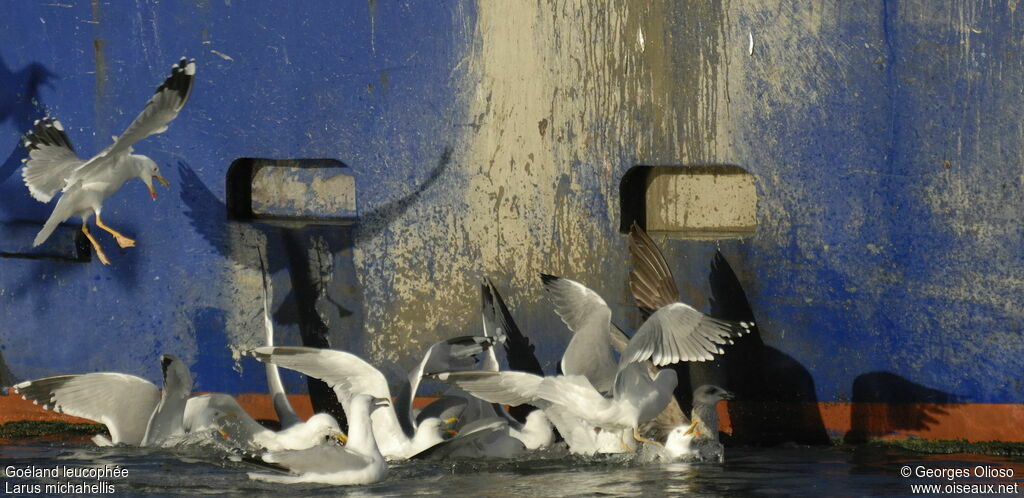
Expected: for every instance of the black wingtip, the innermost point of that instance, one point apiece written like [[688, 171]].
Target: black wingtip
[[180, 80], [486, 298], [165, 362], [548, 279], [46, 131]]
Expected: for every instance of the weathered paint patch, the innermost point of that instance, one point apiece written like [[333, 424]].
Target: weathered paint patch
[[555, 98]]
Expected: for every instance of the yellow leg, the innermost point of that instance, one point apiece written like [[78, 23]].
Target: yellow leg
[[121, 239], [625, 447], [638, 437], [95, 245]]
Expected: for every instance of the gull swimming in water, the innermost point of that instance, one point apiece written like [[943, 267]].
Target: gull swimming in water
[[133, 409], [587, 315], [53, 166], [221, 413], [697, 441], [358, 462], [673, 333], [350, 375]]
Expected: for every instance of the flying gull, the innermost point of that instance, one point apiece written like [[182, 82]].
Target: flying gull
[[53, 166]]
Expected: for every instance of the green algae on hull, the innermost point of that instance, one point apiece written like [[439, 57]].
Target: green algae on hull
[[919, 445], [27, 429]]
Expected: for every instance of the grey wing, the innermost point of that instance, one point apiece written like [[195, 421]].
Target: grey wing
[[456, 354], [507, 388], [669, 418], [69, 204], [51, 159], [346, 373], [650, 280], [162, 108], [122, 402], [678, 332], [474, 440], [320, 459], [518, 350], [443, 408], [285, 412], [576, 395], [618, 338], [589, 317]]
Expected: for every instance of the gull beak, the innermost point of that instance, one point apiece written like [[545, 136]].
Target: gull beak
[[727, 395], [689, 430], [223, 434], [341, 437], [451, 432], [152, 191]]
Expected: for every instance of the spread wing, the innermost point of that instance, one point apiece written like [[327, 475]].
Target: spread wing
[[69, 204], [577, 396], [51, 159], [285, 413], [344, 372], [678, 332], [589, 317], [507, 388], [650, 279], [320, 459], [162, 108], [518, 350], [122, 402]]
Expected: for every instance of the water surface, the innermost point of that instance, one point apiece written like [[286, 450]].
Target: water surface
[[819, 471]]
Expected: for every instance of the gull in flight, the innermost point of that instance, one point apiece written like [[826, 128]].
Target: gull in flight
[[53, 166], [133, 409]]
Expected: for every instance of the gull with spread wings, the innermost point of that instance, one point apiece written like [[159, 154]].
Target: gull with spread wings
[[53, 166]]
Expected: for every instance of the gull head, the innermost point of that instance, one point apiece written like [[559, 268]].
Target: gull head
[[679, 441], [147, 170], [710, 395], [325, 426]]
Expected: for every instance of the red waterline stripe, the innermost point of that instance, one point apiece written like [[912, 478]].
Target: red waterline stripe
[[975, 422]]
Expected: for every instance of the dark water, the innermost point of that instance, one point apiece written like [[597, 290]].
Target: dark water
[[751, 471]]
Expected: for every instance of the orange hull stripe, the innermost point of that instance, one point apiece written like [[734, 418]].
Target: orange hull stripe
[[975, 422]]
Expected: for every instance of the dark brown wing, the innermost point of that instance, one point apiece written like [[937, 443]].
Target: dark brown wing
[[650, 279]]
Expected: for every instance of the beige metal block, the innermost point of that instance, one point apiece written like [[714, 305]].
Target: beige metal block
[[309, 192], [701, 202]]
